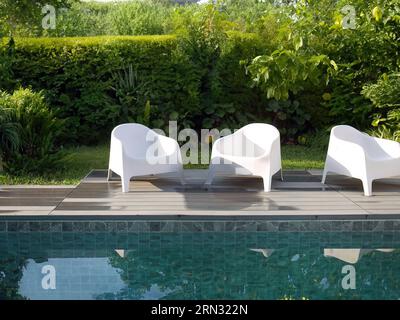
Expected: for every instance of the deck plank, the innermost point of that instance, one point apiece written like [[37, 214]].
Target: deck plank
[[300, 195]]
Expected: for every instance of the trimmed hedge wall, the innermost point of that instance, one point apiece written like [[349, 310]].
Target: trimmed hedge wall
[[96, 83], [78, 75], [234, 84]]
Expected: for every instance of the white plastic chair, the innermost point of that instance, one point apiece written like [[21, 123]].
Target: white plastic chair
[[138, 151], [358, 155], [254, 149]]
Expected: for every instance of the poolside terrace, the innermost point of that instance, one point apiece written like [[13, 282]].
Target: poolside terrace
[[299, 196]]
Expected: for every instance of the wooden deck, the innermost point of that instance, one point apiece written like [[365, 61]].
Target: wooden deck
[[300, 196]]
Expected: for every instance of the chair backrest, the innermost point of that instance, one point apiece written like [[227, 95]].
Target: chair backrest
[[135, 138], [258, 138], [348, 133], [370, 145], [260, 132]]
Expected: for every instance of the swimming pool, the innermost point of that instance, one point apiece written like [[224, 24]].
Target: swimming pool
[[200, 259]]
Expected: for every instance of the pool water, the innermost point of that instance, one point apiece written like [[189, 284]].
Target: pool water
[[200, 265]]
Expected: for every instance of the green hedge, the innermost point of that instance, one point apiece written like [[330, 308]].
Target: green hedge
[[233, 86], [80, 76], [95, 83]]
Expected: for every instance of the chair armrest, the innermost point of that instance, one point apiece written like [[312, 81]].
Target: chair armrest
[[117, 153], [268, 150], [168, 145], [220, 143], [345, 149], [171, 149], [392, 148]]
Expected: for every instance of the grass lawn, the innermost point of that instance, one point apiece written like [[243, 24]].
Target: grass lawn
[[83, 159]]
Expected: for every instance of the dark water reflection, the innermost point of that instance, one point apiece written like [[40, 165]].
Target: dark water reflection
[[230, 265]]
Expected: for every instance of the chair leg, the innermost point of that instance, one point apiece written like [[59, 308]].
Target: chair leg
[[267, 183], [281, 175], [109, 174], [324, 176], [181, 176], [211, 175], [125, 184], [367, 185]]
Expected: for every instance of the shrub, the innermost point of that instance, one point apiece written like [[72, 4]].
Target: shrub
[[363, 55], [216, 49], [36, 133], [287, 71], [201, 34], [139, 18], [385, 96], [95, 19], [236, 103], [6, 56], [9, 139], [80, 20]]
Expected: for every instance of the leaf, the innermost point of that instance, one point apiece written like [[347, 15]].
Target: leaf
[[335, 66], [377, 13], [376, 122], [298, 43]]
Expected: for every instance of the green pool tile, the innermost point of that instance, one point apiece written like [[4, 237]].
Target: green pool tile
[[199, 262]]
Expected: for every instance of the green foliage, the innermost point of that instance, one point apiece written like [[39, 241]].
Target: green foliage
[[288, 116], [201, 34], [79, 20], [363, 55], [292, 62], [93, 19], [6, 59], [37, 132], [88, 82], [305, 71], [24, 16], [286, 71], [9, 138], [139, 18], [317, 141], [208, 38], [234, 101], [345, 106], [145, 119], [98, 82], [136, 17], [385, 96], [129, 92]]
